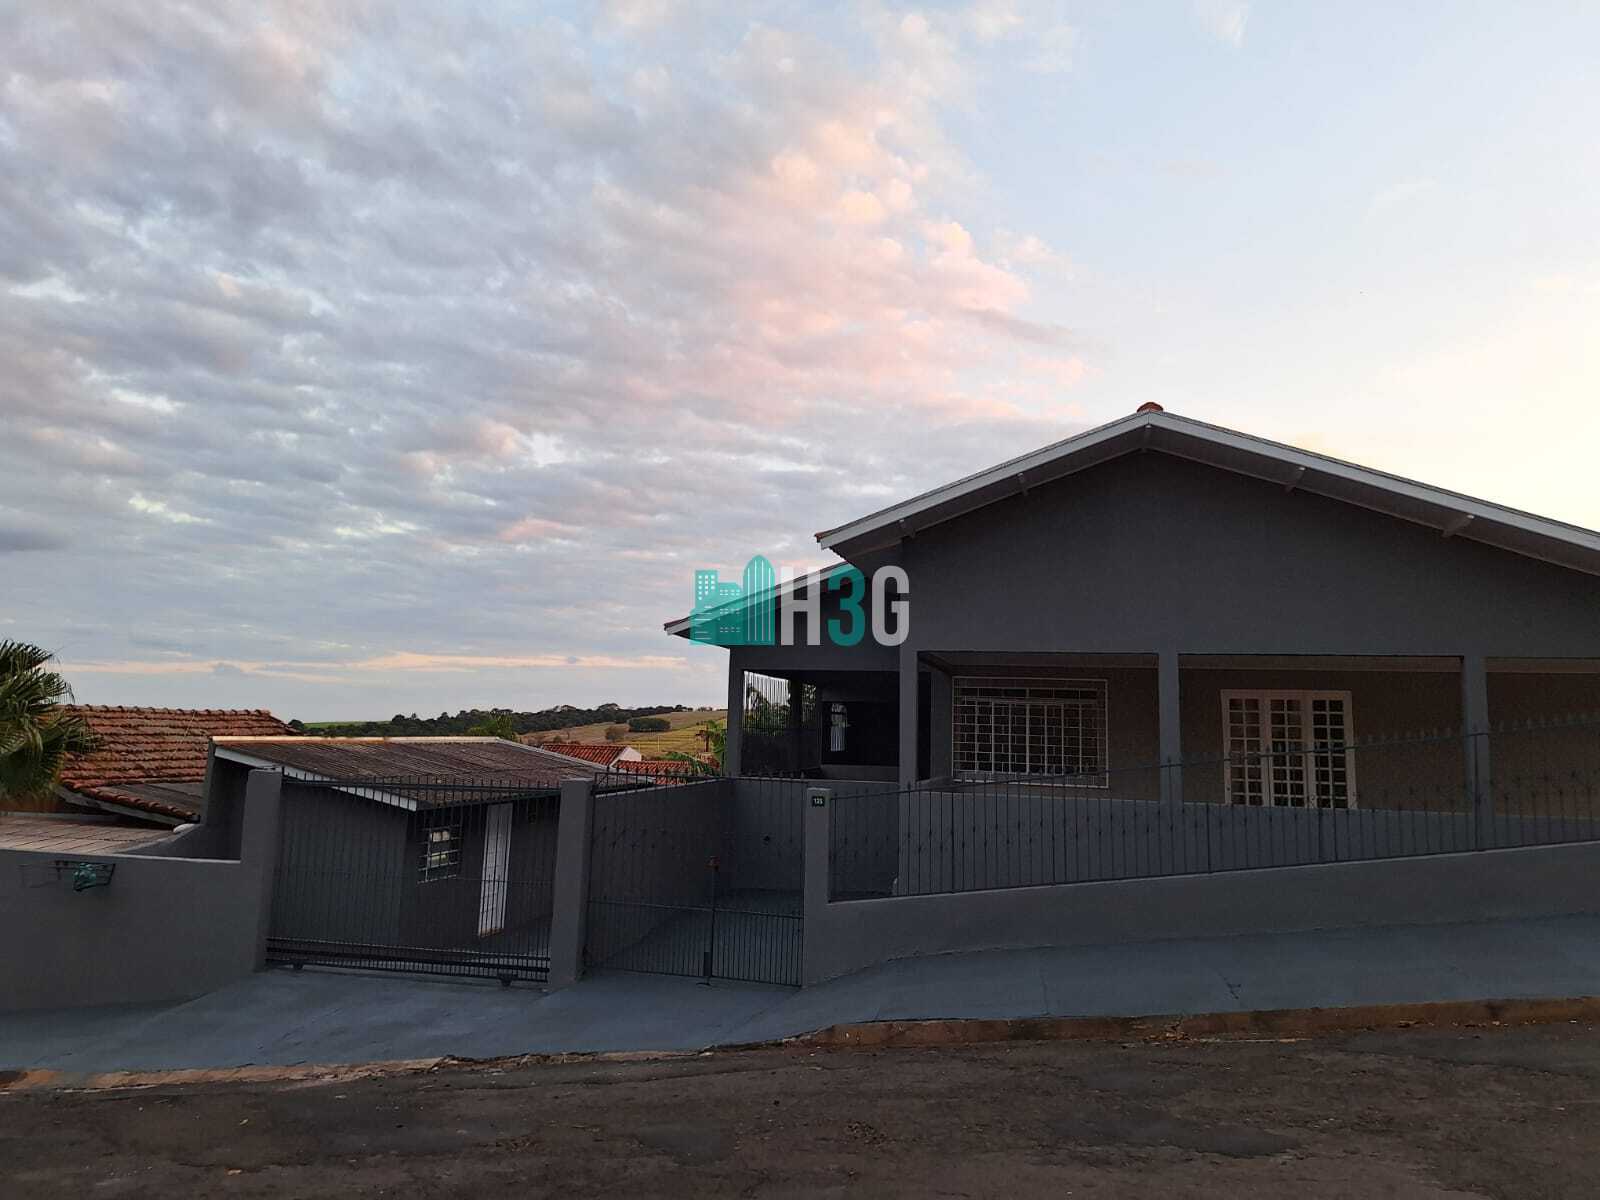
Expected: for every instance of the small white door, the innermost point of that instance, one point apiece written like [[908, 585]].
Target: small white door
[[496, 864]]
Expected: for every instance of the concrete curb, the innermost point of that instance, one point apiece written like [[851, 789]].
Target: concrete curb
[[1277, 1024], [35, 1080], [1268, 1023]]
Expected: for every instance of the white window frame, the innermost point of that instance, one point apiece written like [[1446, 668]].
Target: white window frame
[[1100, 778], [1308, 750], [441, 856]]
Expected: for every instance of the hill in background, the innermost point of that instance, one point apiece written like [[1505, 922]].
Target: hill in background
[[563, 719], [684, 734]]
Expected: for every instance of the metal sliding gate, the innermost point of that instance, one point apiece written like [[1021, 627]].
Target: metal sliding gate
[[678, 884], [421, 875]]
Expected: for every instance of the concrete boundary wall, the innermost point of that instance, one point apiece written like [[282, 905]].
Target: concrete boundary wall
[[164, 929], [845, 936]]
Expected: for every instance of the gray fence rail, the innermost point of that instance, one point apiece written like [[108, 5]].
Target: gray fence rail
[[1430, 794]]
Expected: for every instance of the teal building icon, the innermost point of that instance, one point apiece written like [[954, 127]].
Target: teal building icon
[[736, 614]]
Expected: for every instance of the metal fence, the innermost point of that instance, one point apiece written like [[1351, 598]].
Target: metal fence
[[449, 876], [780, 733], [699, 878], [1280, 805]]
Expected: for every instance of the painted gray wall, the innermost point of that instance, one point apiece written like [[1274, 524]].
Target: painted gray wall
[[1151, 551], [845, 936], [165, 928], [1155, 554]]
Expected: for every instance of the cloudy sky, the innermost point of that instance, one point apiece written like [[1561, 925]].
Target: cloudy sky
[[363, 358]]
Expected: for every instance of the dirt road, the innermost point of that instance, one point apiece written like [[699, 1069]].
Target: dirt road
[[1497, 1112]]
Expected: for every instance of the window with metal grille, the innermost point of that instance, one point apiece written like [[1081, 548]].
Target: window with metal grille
[[1289, 749], [441, 852], [1051, 729]]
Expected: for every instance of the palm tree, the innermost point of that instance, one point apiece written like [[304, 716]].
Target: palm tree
[[34, 737], [716, 738]]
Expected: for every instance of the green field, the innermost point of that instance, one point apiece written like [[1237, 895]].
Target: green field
[[682, 735]]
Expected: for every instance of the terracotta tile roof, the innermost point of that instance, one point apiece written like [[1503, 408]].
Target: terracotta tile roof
[[659, 770], [153, 760], [604, 753], [415, 766]]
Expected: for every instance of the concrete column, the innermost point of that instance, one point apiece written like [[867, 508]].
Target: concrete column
[[1171, 725], [908, 713], [941, 700], [1172, 838], [570, 896], [819, 832], [1475, 745], [258, 847], [731, 756]]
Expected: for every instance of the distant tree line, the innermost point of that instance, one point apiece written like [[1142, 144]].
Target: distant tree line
[[500, 722]]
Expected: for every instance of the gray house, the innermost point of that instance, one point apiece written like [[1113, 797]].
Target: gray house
[[1160, 591]]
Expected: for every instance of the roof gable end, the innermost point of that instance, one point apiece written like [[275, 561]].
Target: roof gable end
[[1450, 513]]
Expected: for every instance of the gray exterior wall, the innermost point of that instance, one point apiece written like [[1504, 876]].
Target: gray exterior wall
[[1151, 554], [1150, 551], [165, 929], [844, 936]]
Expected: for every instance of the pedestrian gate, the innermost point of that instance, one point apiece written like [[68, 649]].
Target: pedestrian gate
[[675, 885]]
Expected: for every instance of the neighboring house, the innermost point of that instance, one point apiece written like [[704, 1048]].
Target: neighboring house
[[405, 851], [1159, 590], [150, 763], [605, 754], [662, 770]]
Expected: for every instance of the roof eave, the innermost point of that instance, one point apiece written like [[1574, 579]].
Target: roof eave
[[1450, 513], [371, 793]]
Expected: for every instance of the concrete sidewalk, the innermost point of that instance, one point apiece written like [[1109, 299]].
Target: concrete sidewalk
[[325, 1017]]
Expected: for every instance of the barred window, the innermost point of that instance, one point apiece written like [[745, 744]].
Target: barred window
[[441, 852], [1052, 729], [1289, 749]]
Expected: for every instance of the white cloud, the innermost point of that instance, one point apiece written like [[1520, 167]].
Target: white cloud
[[1223, 19], [160, 508], [433, 329]]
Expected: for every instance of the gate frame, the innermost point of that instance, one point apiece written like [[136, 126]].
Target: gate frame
[[293, 948], [574, 885]]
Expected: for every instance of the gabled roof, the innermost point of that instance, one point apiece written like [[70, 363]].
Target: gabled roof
[[412, 772], [661, 770], [152, 761], [1452, 514], [604, 753]]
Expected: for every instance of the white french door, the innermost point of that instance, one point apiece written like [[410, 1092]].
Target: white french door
[[1288, 749], [496, 865]]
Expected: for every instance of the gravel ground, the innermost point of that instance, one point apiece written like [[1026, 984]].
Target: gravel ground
[[1492, 1112]]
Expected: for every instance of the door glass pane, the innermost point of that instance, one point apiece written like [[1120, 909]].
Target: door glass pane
[[1287, 762]]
